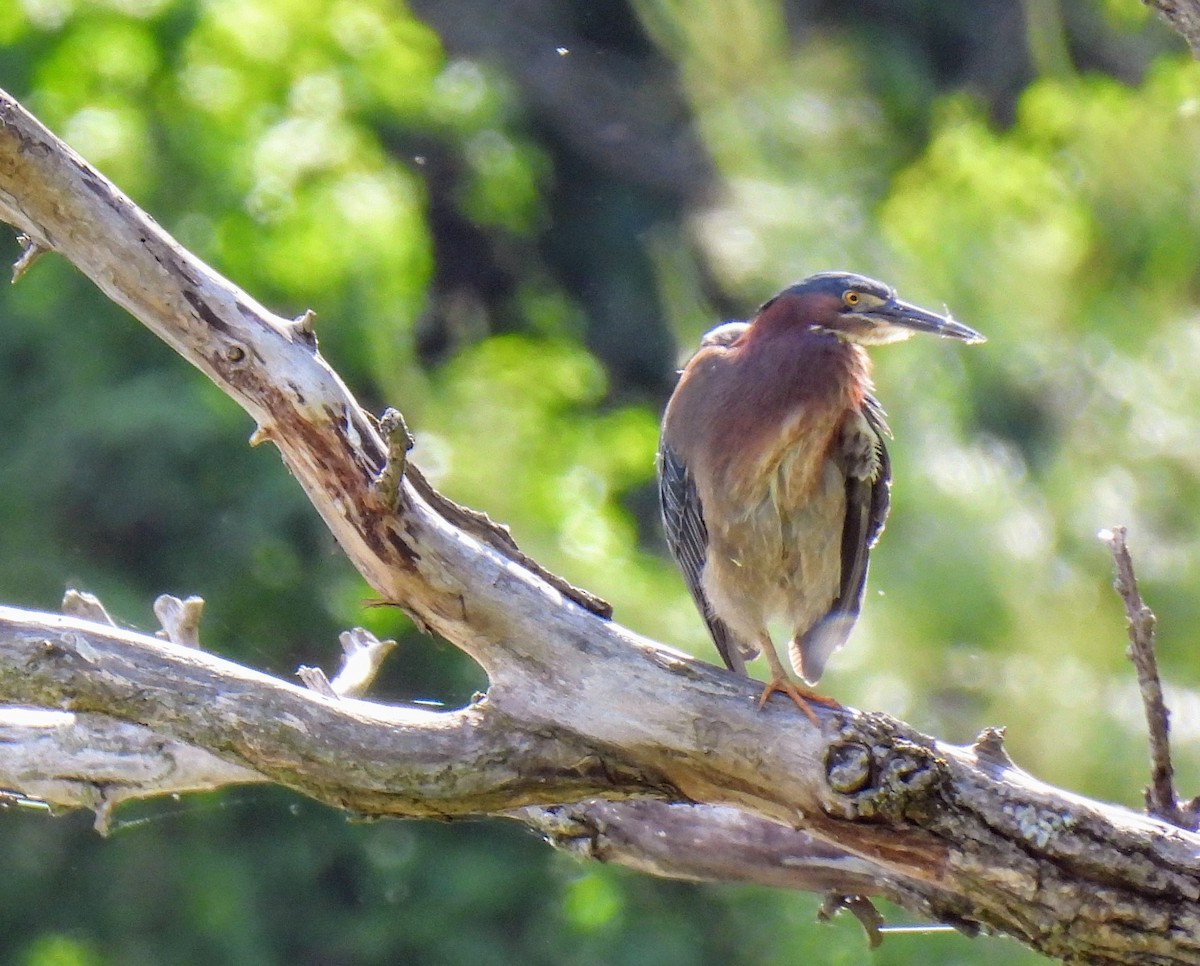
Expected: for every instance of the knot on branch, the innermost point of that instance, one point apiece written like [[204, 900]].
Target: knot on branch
[[568, 828], [848, 767], [881, 777]]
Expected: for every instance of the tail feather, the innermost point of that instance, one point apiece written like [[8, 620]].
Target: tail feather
[[810, 652]]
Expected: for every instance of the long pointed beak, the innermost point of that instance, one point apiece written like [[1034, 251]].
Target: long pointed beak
[[908, 316]]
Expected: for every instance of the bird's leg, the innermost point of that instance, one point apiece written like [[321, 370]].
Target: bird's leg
[[782, 682]]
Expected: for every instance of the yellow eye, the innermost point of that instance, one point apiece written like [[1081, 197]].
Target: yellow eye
[[851, 297]]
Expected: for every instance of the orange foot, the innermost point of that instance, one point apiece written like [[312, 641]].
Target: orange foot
[[802, 696]]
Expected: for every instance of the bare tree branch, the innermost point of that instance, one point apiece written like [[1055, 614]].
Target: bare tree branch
[[82, 760], [949, 833], [610, 744], [1161, 801], [1184, 16]]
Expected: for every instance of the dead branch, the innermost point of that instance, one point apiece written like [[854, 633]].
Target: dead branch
[[1161, 801], [611, 744], [1183, 16]]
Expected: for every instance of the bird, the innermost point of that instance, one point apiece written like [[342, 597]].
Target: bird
[[773, 475]]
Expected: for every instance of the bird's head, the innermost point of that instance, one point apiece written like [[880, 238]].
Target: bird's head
[[858, 309]]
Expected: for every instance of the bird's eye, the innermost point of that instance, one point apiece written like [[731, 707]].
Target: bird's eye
[[851, 297]]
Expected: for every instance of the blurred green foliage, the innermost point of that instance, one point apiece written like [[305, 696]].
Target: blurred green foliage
[[512, 223]]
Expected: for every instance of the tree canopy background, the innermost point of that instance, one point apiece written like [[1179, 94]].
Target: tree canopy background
[[513, 219]]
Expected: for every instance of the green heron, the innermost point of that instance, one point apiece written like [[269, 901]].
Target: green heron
[[772, 471]]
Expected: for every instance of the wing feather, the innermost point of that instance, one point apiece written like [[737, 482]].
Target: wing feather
[[687, 539], [868, 498]]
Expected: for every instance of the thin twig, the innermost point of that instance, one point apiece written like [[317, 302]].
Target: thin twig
[[1161, 801], [31, 251], [180, 619], [861, 907], [79, 603], [316, 680], [362, 656]]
